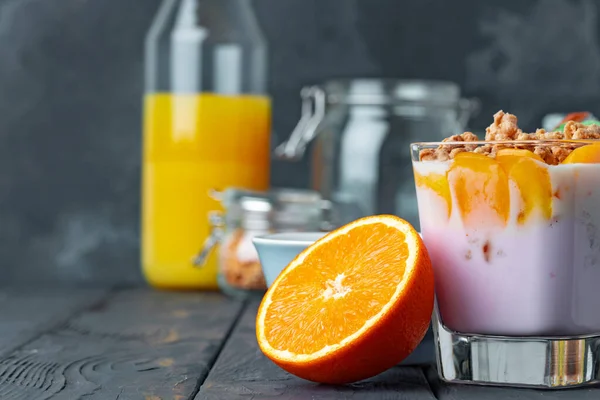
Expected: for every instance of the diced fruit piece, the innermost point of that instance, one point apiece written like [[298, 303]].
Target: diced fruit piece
[[529, 172], [352, 305], [517, 153], [480, 190], [439, 184], [588, 154]]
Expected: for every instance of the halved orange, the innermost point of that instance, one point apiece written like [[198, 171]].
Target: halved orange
[[355, 303]]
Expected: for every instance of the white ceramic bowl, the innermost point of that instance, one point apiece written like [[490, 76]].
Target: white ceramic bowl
[[277, 250]]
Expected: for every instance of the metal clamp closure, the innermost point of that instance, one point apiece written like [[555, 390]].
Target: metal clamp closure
[[313, 112], [217, 224]]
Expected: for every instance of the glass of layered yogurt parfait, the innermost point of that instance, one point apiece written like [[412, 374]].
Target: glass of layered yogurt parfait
[[512, 226]]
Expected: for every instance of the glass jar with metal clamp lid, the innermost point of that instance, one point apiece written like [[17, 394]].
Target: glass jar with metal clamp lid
[[248, 214], [361, 129]]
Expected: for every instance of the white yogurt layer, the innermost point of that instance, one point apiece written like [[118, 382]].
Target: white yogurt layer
[[536, 278]]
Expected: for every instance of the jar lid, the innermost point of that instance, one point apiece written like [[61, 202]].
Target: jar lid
[[392, 91]]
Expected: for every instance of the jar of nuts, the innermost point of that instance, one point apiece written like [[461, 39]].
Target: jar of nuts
[[247, 214]]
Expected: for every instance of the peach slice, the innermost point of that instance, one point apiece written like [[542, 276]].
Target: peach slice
[[480, 189], [589, 154], [529, 172], [439, 184], [517, 153]]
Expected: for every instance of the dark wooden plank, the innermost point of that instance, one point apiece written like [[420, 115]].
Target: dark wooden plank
[[27, 312], [242, 372], [453, 391], [140, 344]]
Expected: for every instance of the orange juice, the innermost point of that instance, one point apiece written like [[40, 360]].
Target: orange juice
[[194, 143]]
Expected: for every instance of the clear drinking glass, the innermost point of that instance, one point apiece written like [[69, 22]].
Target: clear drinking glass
[[514, 241]]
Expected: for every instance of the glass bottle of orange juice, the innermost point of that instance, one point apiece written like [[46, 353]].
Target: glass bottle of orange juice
[[206, 126]]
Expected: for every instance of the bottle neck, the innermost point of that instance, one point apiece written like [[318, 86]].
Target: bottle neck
[[206, 46], [228, 19]]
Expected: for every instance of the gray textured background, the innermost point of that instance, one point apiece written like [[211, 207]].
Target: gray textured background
[[71, 85]]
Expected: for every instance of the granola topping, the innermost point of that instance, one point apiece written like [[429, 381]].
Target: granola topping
[[505, 129]]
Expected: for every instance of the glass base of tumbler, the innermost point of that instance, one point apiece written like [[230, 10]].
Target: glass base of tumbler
[[535, 362]]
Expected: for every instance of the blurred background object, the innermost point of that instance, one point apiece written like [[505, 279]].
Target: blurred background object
[[71, 74], [362, 128]]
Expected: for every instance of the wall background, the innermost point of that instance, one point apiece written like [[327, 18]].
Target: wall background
[[71, 85]]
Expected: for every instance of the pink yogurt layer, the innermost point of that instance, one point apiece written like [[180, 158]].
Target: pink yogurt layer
[[539, 278]]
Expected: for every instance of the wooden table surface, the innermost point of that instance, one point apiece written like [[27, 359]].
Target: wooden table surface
[[143, 344]]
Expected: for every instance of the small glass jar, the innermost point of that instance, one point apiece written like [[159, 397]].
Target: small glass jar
[[248, 214]]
